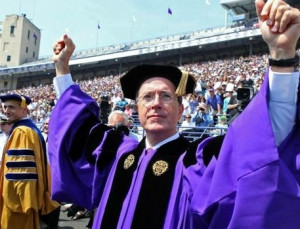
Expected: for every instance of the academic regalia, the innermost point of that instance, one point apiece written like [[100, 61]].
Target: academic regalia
[[190, 169], [97, 167], [24, 182], [255, 184], [129, 186]]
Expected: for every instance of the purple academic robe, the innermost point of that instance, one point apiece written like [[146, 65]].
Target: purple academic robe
[[185, 184], [254, 183], [75, 179]]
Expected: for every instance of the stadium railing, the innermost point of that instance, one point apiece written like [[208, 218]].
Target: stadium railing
[[191, 134]]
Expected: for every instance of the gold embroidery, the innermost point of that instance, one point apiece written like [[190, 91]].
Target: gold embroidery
[[160, 167], [129, 161]]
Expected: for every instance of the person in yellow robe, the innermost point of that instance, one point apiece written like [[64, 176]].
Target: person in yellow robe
[[24, 174]]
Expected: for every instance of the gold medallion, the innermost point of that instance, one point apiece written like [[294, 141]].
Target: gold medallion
[[160, 167], [129, 161]]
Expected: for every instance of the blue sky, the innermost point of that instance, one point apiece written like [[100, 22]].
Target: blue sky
[[80, 19]]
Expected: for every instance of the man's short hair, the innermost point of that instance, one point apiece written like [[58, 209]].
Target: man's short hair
[[121, 113]]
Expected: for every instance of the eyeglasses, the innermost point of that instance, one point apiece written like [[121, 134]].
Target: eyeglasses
[[188, 117], [147, 99]]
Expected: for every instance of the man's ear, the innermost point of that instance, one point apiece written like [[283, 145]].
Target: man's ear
[[25, 111]]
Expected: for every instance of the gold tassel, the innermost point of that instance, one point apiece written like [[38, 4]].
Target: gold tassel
[[23, 102], [181, 89]]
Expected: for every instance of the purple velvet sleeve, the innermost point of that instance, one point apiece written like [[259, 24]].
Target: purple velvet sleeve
[[71, 180], [186, 181]]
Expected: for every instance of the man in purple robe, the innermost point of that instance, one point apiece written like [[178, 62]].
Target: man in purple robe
[[161, 182], [95, 166]]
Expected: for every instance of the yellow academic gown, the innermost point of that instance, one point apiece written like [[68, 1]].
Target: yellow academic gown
[[24, 185]]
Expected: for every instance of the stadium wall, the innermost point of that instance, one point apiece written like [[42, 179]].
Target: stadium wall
[[187, 48]]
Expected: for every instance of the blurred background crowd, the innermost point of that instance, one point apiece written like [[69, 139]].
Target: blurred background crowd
[[214, 98]]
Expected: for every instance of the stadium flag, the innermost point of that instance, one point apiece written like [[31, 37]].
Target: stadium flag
[[133, 18], [98, 28], [169, 11]]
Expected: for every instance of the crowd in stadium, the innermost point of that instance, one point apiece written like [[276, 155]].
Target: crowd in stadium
[[216, 76]]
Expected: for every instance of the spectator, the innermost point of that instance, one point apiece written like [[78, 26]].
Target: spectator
[[193, 103], [215, 102], [121, 104], [186, 106], [202, 117], [128, 110], [115, 98], [105, 109], [187, 124], [221, 126], [45, 129], [119, 120], [198, 88], [230, 107], [5, 127], [219, 92]]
